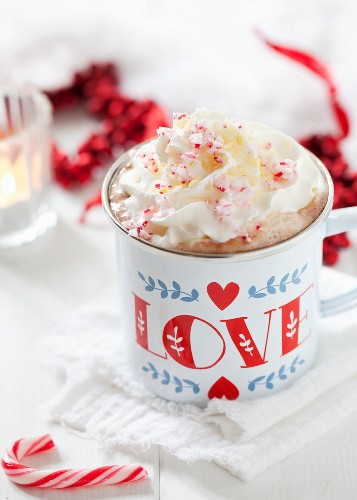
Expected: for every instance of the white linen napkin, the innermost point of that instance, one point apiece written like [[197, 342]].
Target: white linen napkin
[[99, 398]]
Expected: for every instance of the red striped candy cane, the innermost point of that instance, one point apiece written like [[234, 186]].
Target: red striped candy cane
[[64, 478]]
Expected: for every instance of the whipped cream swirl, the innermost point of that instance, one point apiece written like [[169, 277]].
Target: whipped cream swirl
[[211, 176]]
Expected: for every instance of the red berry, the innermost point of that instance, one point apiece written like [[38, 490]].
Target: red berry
[[354, 183], [96, 105], [350, 198], [329, 146], [331, 258], [115, 108], [119, 137], [338, 168], [341, 240]]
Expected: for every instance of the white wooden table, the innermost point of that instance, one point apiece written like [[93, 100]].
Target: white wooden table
[[55, 275]]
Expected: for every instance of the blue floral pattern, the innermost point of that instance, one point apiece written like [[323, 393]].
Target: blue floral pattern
[[175, 292], [166, 379], [281, 374], [281, 285]]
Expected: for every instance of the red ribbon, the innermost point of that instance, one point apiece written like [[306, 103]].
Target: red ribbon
[[314, 65], [327, 147]]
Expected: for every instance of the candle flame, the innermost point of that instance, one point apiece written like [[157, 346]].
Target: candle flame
[[8, 185]]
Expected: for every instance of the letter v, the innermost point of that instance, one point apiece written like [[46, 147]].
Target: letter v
[[242, 339]]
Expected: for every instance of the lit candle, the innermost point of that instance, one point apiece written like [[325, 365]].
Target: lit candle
[[14, 181], [25, 210], [21, 193]]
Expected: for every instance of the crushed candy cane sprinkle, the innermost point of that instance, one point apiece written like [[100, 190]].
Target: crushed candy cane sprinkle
[[211, 176]]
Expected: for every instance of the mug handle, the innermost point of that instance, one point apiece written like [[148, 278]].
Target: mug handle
[[339, 221]]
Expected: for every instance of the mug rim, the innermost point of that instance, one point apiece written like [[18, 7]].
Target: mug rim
[[259, 253]]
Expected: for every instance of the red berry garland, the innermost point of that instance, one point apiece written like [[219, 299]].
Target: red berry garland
[[124, 122], [328, 148]]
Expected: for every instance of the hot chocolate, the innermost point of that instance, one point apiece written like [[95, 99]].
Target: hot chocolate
[[212, 184]]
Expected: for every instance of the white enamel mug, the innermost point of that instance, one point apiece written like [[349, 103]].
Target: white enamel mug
[[234, 326]]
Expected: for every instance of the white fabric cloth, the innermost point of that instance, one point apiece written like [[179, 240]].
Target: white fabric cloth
[[100, 399]]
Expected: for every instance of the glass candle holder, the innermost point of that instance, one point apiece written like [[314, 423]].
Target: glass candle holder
[[25, 123]]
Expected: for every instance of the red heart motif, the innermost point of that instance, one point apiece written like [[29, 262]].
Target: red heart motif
[[223, 388], [222, 297]]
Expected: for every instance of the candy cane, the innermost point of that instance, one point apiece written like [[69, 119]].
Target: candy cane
[[65, 478]]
